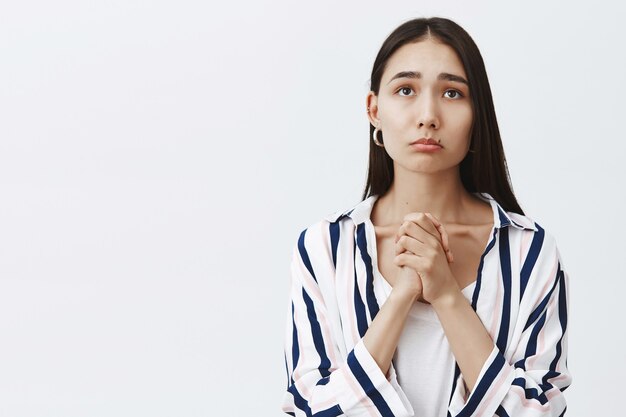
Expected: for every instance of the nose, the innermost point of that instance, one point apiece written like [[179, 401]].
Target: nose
[[427, 112]]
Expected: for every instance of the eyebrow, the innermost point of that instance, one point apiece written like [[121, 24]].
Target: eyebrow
[[443, 76]]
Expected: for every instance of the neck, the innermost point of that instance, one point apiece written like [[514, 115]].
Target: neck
[[440, 193]]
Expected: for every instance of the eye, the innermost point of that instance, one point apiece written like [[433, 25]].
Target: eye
[[404, 89], [455, 94]]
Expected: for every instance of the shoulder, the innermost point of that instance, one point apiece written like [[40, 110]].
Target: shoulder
[[324, 226], [533, 229], [522, 221], [320, 239], [541, 265], [536, 245], [536, 241]]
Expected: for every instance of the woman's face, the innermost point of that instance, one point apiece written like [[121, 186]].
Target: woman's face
[[423, 94]]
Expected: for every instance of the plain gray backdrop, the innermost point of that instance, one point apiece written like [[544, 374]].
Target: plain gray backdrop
[[159, 159]]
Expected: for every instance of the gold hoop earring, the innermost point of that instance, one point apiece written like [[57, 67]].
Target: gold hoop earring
[[374, 134]]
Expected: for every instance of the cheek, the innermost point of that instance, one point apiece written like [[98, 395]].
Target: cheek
[[385, 108], [461, 120]]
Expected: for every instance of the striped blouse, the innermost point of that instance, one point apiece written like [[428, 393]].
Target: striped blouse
[[520, 295]]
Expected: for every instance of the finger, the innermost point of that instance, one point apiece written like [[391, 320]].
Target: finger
[[422, 220], [439, 227], [410, 245], [444, 237], [408, 260], [413, 238], [417, 232]]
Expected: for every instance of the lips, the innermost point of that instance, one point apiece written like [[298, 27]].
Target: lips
[[425, 141]]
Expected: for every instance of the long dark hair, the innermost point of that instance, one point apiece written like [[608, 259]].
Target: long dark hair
[[484, 169]]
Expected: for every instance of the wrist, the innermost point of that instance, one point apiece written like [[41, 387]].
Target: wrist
[[449, 300], [404, 294]]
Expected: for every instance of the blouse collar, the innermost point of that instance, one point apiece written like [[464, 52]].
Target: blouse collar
[[361, 212]]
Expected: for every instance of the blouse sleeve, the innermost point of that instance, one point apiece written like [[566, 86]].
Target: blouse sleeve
[[320, 381], [531, 384]]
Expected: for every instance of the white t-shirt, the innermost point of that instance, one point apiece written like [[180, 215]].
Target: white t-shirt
[[424, 361]]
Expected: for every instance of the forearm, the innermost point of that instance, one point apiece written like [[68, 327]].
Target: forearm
[[383, 334], [470, 342]]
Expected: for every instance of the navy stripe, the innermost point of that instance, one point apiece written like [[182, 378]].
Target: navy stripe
[[361, 240], [304, 255], [542, 305], [333, 411], [531, 259], [549, 375], [295, 350], [532, 393], [483, 386], [303, 405], [299, 401], [519, 225], [316, 332], [562, 318], [505, 265], [289, 379], [480, 269], [457, 371], [334, 240], [504, 220], [359, 306], [368, 386], [531, 347], [501, 412], [335, 231], [323, 381]]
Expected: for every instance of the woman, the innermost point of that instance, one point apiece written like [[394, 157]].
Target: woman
[[435, 295]]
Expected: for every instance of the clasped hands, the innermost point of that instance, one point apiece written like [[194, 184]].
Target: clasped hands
[[423, 254]]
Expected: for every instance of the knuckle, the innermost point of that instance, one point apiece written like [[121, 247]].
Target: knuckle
[[428, 265]]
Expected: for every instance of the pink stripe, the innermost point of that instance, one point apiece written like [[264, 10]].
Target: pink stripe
[[358, 392], [525, 402], [559, 378], [534, 404], [315, 407], [525, 244], [316, 295]]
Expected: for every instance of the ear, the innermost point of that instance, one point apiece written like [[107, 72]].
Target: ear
[[371, 103]]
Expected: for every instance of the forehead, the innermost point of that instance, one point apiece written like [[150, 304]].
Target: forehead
[[427, 56]]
